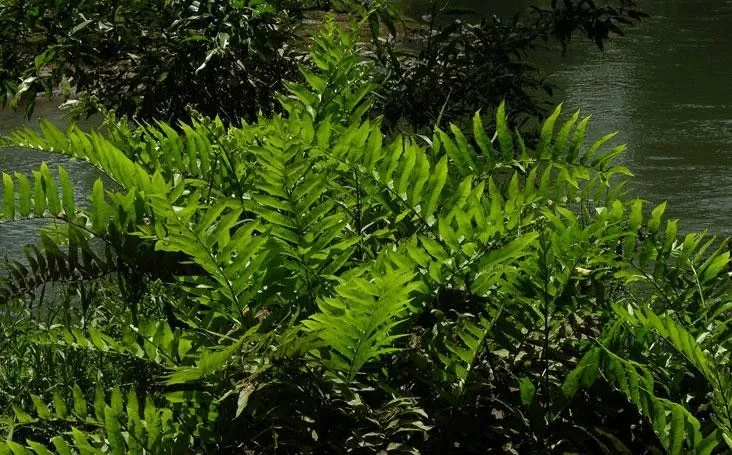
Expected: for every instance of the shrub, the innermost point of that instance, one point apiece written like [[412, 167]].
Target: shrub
[[149, 59], [452, 67], [160, 60]]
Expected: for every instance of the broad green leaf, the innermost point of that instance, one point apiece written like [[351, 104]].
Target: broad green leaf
[[410, 158], [81, 442], [715, 266], [41, 407], [80, 408], [116, 401], [527, 390], [99, 207], [152, 424], [114, 433], [134, 424], [8, 208], [16, 448], [24, 195], [636, 216], [655, 221], [61, 446], [547, 134], [67, 193], [464, 153], [578, 140], [50, 190], [707, 445], [561, 143], [594, 148], [504, 133], [584, 374], [676, 434], [39, 448], [99, 402], [21, 415], [59, 405], [482, 139], [436, 184], [728, 439], [39, 196]]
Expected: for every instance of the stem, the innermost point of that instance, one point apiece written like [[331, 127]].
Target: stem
[[545, 311]]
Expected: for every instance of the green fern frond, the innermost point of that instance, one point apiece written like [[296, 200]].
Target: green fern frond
[[340, 87], [54, 263], [714, 368], [293, 194], [210, 361], [677, 429], [673, 424], [231, 251], [358, 324], [118, 425], [465, 345], [94, 149], [22, 200]]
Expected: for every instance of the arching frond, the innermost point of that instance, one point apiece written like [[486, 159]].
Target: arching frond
[[358, 324]]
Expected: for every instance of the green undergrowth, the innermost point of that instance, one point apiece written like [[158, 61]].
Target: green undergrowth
[[305, 284]]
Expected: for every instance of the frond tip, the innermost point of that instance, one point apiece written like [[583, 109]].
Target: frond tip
[[357, 325]]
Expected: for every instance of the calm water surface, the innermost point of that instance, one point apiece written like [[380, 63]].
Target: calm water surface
[[666, 88], [14, 235]]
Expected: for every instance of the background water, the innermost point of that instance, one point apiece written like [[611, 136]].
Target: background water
[[14, 235], [666, 88]]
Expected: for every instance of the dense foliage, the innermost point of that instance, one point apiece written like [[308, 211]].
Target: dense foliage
[[150, 59], [158, 60], [451, 68], [304, 284]]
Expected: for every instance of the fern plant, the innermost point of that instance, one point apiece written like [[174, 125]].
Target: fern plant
[[305, 283]]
